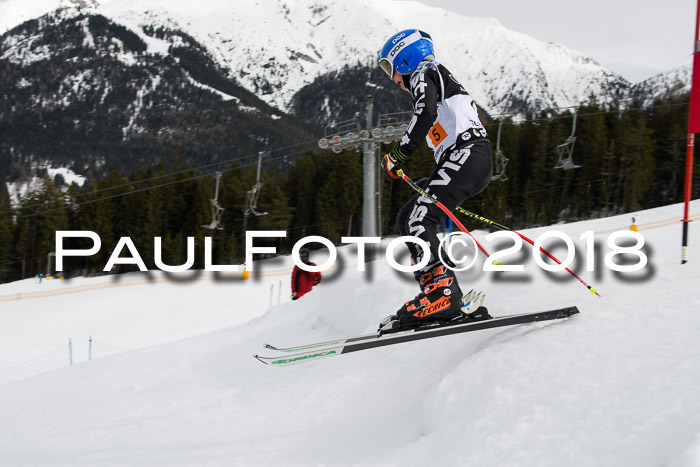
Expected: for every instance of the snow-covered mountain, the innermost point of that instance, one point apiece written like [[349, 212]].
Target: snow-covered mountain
[[83, 93], [275, 48], [91, 86], [672, 83]]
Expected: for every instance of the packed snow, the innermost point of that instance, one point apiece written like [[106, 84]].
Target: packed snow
[[614, 385]]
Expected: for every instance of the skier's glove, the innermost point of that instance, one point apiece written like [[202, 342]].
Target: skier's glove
[[393, 161]]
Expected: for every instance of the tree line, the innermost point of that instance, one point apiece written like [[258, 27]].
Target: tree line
[[629, 160]]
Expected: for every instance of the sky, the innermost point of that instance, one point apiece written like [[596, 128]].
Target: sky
[[634, 38]]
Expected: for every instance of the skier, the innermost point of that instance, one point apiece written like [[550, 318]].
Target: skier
[[445, 115], [303, 281]]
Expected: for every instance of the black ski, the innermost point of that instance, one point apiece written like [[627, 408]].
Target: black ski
[[355, 344]]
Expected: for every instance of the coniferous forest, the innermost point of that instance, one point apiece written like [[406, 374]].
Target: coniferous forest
[[629, 159]]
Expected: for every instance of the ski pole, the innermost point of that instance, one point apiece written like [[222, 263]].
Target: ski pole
[[482, 219], [594, 291], [405, 177], [433, 200]]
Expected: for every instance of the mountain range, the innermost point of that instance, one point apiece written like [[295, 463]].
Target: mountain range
[[97, 85]]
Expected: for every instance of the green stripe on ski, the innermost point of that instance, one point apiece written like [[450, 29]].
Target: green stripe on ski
[[298, 358]]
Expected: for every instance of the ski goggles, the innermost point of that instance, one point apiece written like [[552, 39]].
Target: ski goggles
[[387, 66]]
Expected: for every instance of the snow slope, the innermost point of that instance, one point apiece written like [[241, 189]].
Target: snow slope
[[615, 385]]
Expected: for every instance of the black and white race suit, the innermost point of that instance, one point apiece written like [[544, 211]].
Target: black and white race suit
[[446, 116], [443, 112]]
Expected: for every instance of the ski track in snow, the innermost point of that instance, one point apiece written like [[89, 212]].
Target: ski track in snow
[[615, 385]]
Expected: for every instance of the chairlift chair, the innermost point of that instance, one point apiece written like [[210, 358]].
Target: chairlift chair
[[500, 160], [217, 211], [252, 200], [565, 151], [254, 193]]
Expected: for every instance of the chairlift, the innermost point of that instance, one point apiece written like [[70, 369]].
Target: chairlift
[[565, 151], [500, 161], [254, 193], [217, 211]]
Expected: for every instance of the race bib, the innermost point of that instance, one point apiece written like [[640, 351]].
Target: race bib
[[437, 134]]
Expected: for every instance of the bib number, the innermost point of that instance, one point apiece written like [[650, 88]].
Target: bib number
[[437, 134]]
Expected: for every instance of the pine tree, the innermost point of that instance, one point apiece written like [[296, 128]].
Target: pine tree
[[40, 215], [100, 210], [229, 244], [339, 198], [273, 201], [668, 122], [636, 168], [590, 152], [302, 188], [6, 234]]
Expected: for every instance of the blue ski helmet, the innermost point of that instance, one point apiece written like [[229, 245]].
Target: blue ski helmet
[[405, 50]]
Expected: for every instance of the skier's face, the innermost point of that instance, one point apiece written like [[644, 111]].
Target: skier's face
[[398, 79]]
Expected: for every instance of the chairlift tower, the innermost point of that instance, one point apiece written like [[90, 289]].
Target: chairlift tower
[[370, 195], [348, 134]]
